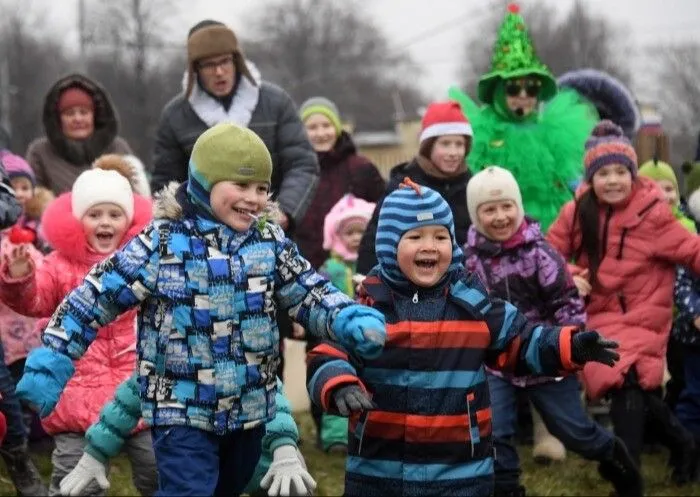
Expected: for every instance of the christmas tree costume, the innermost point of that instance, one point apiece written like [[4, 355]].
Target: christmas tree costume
[[543, 149]]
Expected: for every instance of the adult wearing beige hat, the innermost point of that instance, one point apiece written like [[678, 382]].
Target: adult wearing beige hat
[[222, 86]]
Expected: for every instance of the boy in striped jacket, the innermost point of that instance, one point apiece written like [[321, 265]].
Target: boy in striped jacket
[[420, 415]]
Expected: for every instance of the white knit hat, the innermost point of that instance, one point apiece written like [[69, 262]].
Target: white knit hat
[[99, 186], [492, 184]]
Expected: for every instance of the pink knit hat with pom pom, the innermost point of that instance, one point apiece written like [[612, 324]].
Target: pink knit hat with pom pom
[[608, 145], [347, 208]]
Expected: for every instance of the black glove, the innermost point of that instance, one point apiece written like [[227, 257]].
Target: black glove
[[587, 346], [351, 398]]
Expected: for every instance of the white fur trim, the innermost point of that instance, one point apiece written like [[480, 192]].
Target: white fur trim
[[244, 102], [694, 204], [140, 180], [442, 129]]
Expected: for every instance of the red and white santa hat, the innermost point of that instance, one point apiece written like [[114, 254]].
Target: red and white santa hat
[[444, 118]]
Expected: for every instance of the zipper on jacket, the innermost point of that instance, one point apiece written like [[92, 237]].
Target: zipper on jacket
[[469, 425], [606, 226], [623, 302], [415, 297], [361, 424], [622, 243]]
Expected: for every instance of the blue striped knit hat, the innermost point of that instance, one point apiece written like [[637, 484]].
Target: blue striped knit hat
[[608, 145], [226, 152], [408, 207]]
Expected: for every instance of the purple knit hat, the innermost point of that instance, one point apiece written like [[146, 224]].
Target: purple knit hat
[[608, 145], [15, 166]]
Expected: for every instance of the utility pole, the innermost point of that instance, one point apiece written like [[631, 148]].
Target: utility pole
[[82, 35], [5, 95]]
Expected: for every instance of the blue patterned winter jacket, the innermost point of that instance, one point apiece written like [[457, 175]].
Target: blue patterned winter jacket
[[208, 343]]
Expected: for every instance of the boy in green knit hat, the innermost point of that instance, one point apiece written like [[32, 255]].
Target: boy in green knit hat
[[664, 176], [208, 275]]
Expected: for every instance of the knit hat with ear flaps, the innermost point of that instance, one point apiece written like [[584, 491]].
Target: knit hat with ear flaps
[[323, 106], [226, 152], [492, 184], [208, 39], [608, 145], [98, 186], [658, 171], [409, 207], [347, 208]]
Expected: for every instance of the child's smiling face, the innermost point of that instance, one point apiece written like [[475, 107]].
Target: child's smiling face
[[104, 226], [424, 254], [498, 219], [238, 205]]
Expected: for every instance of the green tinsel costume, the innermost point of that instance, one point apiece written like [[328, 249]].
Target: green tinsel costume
[[544, 150]]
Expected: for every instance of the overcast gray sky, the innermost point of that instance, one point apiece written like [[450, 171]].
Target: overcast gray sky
[[647, 22]]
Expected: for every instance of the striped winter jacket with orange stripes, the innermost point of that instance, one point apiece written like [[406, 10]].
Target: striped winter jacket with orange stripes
[[431, 431]]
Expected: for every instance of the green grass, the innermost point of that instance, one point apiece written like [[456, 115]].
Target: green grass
[[573, 477]]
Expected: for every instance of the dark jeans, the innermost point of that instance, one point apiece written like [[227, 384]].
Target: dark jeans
[[559, 404], [688, 405], [11, 407], [193, 462]]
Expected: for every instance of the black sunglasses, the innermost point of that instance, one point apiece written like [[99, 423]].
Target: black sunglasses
[[531, 87]]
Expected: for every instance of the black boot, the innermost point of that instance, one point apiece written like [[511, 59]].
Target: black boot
[[23, 472], [680, 441], [620, 470], [518, 491]]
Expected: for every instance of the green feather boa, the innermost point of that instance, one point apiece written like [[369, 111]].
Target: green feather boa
[[543, 151]]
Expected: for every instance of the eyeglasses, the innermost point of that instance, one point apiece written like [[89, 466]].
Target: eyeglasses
[[213, 65], [532, 87]]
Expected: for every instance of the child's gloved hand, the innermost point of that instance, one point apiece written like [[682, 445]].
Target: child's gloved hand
[[587, 346], [350, 399], [46, 373], [361, 329], [287, 474], [87, 470]]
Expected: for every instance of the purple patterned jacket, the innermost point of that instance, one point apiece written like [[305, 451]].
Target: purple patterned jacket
[[529, 273]]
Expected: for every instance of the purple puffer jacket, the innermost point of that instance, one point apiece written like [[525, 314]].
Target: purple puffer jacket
[[528, 272]]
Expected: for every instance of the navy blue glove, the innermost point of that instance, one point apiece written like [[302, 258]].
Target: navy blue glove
[[361, 329], [587, 346], [46, 373]]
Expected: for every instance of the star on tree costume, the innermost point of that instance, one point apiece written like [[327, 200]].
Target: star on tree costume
[[544, 150]]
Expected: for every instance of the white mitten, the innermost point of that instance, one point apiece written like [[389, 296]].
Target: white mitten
[[287, 474], [87, 470]]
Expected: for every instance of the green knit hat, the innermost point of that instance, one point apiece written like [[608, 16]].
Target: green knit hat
[[659, 170], [226, 152], [323, 106], [692, 177], [514, 57]]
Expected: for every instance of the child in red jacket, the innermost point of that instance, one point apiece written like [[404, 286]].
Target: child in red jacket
[[625, 243]]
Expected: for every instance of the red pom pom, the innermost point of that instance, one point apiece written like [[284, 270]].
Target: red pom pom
[[19, 235], [513, 8]]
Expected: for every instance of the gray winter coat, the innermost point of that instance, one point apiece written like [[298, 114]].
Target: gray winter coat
[[275, 119]]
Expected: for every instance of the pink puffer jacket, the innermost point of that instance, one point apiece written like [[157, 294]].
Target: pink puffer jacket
[[111, 358], [632, 304]]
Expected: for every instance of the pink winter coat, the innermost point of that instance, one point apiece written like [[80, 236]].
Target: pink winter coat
[[19, 334], [632, 303], [111, 358]]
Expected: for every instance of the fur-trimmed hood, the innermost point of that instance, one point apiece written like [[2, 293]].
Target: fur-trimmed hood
[[168, 205], [611, 98], [65, 233], [106, 121]]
